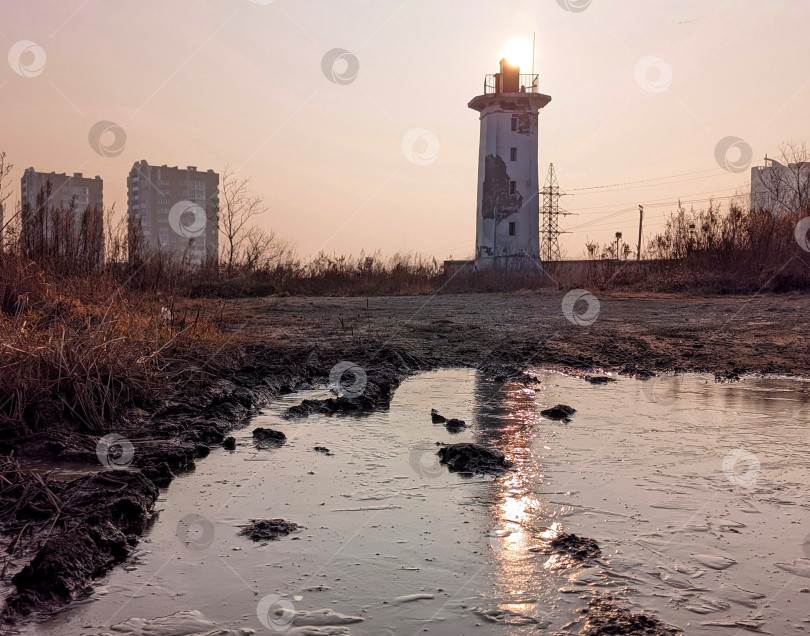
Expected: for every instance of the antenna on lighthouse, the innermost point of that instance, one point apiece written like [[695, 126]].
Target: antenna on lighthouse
[[534, 35]]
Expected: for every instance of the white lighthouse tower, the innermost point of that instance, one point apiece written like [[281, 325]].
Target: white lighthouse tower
[[507, 232]]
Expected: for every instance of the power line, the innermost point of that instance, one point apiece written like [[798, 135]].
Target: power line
[[666, 200], [615, 214], [672, 176]]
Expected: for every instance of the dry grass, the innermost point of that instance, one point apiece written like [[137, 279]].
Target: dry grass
[[79, 351]]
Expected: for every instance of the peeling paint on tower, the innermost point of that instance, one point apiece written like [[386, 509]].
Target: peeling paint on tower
[[498, 200], [507, 222]]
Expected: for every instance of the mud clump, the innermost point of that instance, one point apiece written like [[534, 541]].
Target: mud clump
[[578, 548], [730, 375], [120, 505], [269, 436], [473, 459], [605, 618], [599, 379], [559, 412], [161, 463], [498, 372], [324, 450], [635, 371], [452, 425], [268, 529], [377, 392], [229, 443]]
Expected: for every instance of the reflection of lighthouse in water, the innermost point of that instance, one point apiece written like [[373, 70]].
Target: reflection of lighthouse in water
[[507, 418]]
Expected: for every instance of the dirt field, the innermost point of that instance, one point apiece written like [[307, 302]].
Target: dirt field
[[756, 334]]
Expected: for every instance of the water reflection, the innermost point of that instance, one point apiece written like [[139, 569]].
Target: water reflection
[[508, 418]]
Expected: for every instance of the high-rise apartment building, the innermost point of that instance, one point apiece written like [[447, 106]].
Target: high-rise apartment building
[[83, 191], [174, 211]]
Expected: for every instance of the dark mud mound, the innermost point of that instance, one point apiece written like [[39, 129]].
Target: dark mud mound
[[498, 372], [115, 507], [268, 529], [578, 548], [604, 618], [635, 371], [323, 449], [473, 459], [377, 391], [452, 425], [729, 375], [559, 412], [455, 426], [162, 462], [268, 437], [599, 379], [229, 443]]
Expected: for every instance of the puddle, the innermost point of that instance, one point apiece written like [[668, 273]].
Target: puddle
[[696, 493]]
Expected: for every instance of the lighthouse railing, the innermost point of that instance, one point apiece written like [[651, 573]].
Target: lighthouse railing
[[528, 83]]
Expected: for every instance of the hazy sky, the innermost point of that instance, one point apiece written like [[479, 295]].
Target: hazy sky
[[641, 89]]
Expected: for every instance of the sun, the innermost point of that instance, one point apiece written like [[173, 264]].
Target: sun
[[518, 51]]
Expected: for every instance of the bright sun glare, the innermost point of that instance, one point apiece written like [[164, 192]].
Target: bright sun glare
[[519, 51]]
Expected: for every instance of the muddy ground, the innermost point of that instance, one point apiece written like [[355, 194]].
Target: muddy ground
[[768, 334], [295, 342]]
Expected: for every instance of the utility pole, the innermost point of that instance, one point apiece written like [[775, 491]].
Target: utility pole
[[640, 221]]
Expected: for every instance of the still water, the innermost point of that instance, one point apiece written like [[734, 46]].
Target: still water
[[695, 491]]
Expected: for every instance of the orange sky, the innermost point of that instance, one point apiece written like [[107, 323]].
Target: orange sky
[[641, 90]]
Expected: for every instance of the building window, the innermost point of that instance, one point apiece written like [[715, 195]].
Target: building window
[[511, 228], [513, 187], [514, 124], [513, 154]]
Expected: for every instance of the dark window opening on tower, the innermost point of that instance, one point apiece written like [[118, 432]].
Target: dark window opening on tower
[[511, 228], [513, 154], [512, 187], [514, 124]]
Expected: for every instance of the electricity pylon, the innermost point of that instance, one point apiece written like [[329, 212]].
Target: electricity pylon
[[550, 228]]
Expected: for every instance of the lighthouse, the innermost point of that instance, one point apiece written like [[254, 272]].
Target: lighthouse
[[507, 229]]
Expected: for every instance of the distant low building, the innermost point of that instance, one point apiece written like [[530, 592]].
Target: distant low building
[[781, 188], [174, 210]]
